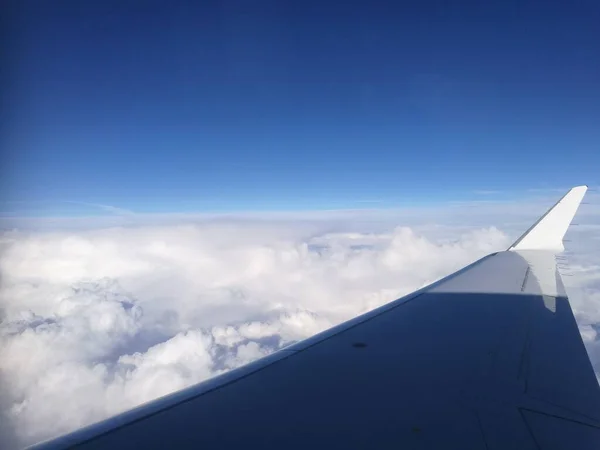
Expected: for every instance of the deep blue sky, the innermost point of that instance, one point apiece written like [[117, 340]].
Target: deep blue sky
[[179, 106]]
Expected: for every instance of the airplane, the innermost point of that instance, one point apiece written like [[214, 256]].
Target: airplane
[[489, 357]]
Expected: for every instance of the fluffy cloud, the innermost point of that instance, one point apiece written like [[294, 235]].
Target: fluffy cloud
[[109, 318]]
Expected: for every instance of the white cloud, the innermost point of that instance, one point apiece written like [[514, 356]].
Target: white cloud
[[109, 318]]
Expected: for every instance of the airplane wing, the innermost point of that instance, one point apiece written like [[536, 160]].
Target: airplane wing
[[489, 357]]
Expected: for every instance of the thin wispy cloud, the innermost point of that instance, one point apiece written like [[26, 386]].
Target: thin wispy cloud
[[486, 192], [548, 190], [107, 208], [45, 208], [367, 200]]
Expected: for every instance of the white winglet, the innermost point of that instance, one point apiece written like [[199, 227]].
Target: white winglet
[[548, 232]]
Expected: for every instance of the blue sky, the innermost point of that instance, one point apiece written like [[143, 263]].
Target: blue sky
[[238, 105]]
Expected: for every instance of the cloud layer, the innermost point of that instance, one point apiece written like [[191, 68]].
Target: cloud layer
[[110, 318]]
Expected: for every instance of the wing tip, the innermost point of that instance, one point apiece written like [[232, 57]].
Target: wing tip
[[583, 186], [548, 231]]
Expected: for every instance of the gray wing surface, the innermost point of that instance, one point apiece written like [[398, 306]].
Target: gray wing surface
[[487, 358]]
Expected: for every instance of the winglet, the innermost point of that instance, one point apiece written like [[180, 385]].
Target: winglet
[[548, 232]]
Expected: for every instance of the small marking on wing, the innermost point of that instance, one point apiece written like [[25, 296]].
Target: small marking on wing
[[525, 278]]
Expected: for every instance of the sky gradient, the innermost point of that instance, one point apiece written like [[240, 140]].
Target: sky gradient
[[237, 105]]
